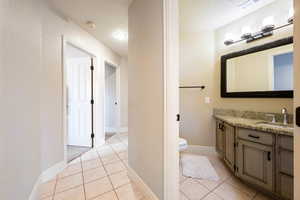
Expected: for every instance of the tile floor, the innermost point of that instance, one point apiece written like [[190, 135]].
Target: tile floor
[[75, 151], [101, 174]]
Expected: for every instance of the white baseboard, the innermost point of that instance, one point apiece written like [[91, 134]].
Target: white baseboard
[[141, 184], [35, 193], [199, 149], [51, 172], [46, 175]]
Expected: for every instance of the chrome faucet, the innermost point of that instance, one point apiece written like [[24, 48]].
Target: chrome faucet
[[284, 112]]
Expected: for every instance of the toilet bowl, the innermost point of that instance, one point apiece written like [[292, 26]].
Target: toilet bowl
[[182, 144]]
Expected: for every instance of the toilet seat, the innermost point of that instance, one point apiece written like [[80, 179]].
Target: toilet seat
[[182, 144]]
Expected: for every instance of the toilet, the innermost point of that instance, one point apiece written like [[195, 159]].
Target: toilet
[[182, 144]]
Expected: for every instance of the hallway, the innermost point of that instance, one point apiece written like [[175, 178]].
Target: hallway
[[100, 174]]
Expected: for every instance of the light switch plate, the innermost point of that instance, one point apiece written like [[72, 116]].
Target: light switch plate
[[207, 100]]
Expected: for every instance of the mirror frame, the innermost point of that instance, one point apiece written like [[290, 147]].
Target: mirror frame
[[258, 94]]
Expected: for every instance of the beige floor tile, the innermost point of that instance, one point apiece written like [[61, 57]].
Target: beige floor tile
[[210, 185], [119, 179], [94, 174], [75, 161], [115, 167], [183, 197], [106, 151], [182, 178], [71, 170], [72, 194], [91, 155], [119, 147], [123, 155], [113, 140], [241, 186], [193, 190], [107, 196], [91, 164], [126, 163], [68, 182], [212, 196], [229, 192], [47, 189], [262, 197], [97, 188], [223, 172], [129, 192], [47, 198], [110, 159]]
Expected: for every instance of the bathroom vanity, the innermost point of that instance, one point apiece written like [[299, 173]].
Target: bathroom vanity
[[258, 152]]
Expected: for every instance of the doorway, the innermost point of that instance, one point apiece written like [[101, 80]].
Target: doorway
[[79, 101], [111, 100]]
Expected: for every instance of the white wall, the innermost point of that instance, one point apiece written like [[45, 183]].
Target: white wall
[[31, 91], [20, 66], [54, 27], [153, 95], [124, 94], [196, 68], [146, 103], [200, 64]]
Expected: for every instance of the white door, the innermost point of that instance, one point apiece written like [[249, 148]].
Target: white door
[[111, 103], [79, 97]]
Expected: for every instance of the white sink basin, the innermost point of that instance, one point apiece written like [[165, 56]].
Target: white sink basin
[[276, 125]]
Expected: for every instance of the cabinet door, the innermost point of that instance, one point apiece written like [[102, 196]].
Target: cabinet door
[[255, 164], [229, 153], [220, 137], [286, 186]]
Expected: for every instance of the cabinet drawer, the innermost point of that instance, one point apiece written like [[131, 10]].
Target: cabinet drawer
[[286, 142], [255, 136]]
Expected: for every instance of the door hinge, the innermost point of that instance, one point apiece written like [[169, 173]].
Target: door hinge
[[92, 68], [235, 168], [178, 117], [236, 144], [92, 101]]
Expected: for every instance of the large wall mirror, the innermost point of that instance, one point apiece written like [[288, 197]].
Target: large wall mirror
[[264, 71]]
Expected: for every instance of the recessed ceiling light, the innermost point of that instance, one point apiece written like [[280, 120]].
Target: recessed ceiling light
[[91, 24], [120, 35]]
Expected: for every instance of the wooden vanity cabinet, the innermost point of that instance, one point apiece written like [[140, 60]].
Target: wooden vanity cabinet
[[256, 159], [262, 159], [229, 146], [285, 167], [220, 131], [225, 143]]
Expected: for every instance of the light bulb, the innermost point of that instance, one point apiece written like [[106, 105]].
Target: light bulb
[[229, 36], [291, 13], [246, 30], [291, 16], [268, 21]]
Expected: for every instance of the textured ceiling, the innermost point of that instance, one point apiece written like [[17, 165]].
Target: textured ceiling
[[108, 15]]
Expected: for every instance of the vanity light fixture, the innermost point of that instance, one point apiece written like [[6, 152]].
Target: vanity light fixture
[[246, 33], [228, 39], [268, 24], [268, 28]]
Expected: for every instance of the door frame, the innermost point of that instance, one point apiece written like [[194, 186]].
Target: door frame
[[118, 98], [65, 42]]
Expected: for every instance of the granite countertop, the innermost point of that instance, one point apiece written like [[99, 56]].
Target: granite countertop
[[255, 124]]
